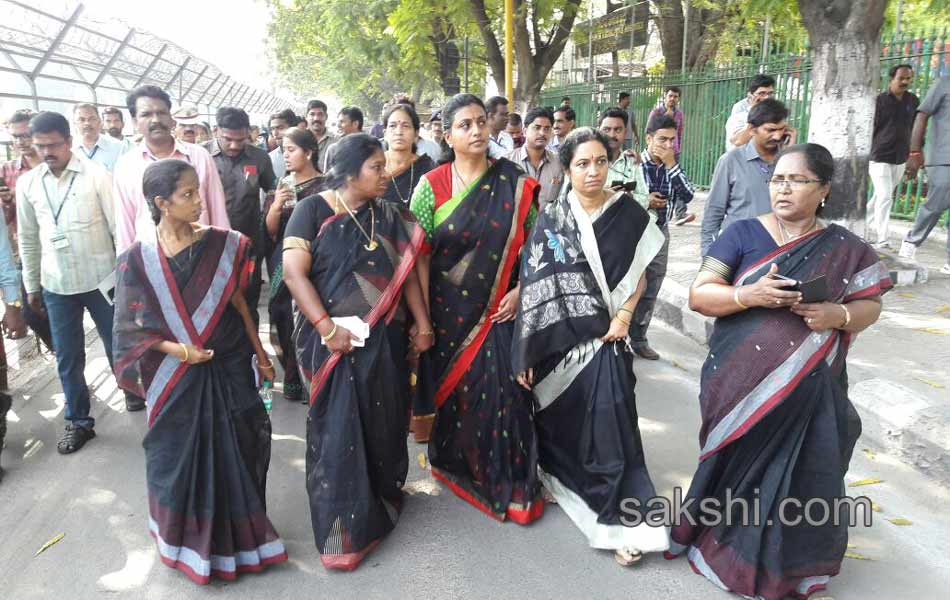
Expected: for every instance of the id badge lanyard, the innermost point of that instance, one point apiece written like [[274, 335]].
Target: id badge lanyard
[[59, 239]]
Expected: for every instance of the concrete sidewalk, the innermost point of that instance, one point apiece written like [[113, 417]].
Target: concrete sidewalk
[[897, 368]]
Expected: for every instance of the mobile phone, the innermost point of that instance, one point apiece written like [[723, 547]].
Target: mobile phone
[[813, 290], [627, 186], [786, 140], [793, 288]]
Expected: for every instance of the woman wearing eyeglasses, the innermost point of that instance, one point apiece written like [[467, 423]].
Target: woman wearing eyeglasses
[[777, 422]]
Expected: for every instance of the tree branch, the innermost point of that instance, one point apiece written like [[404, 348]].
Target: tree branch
[[495, 58]]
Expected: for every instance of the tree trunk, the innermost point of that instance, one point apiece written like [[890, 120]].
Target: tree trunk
[[534, 55], [669, 23], [705, 28], [846, 49], [447, 55]]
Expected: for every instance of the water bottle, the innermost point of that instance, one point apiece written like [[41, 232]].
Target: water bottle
[[288, 181], [267, 396]]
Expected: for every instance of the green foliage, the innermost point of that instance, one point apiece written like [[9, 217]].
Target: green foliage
[[345, 48], [918, 16], [365, 51]]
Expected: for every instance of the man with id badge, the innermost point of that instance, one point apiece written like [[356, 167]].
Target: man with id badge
[[66, 225]]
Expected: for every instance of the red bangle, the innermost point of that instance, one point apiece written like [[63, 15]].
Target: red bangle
[[321, 320], [916, 153]]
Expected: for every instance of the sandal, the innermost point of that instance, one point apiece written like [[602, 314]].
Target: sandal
[[74, 438], [626, 557]]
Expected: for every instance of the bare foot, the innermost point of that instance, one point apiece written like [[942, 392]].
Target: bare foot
[[626, 557]]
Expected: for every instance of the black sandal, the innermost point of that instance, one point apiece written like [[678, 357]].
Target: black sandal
[[74, 438]]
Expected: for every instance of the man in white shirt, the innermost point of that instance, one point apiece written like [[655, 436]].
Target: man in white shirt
[[66, 231], [762, 87], [500, 144], [279, 123], [96, 147], [564, 118]]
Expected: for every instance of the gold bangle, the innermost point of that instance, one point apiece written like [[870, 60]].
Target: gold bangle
[[625, 322], [626, 310], [185, 350], [427, 332], [329, 336], [847, 316], [735, 297], [269, 364]]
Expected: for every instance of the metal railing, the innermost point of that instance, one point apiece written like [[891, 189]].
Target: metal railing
[[708, 96], [53, 58]]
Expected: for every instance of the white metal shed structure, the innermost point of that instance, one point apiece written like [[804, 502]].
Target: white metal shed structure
[[51, 61]]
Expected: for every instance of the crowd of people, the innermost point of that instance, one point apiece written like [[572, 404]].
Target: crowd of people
[[483, 280]]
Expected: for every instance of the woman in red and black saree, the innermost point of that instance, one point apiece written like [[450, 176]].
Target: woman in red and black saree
[[302, 180], [349, 258], [582, 275], [778, 428], [185, 340], [477, 214]]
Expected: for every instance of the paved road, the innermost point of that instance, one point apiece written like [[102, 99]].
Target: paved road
[[441, 547]]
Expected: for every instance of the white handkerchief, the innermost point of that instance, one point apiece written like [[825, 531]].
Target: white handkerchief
[[357, 326]]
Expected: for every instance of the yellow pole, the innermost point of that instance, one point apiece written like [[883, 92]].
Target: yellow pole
[[510, 50]]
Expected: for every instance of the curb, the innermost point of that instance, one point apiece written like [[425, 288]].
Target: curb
[[894, 418]]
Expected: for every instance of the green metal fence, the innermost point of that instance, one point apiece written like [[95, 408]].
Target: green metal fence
[[708, 96]]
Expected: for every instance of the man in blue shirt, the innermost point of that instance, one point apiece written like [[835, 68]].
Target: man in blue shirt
[[13, 323], [87, 130], [740, 184]]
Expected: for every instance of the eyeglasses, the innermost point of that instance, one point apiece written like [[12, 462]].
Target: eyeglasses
[[795, 184]]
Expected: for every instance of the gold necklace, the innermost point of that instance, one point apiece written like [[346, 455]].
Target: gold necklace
[[373, 244], [787, 236], [465, 184], [164, 242], [412, 169]]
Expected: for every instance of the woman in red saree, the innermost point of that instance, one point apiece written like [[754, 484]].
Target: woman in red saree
[[348, 259], [777, 422], [477, 214], [185, 340]]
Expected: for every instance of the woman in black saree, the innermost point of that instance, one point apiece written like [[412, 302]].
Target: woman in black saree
[[348, 259], [477, 214], [582, 274], [404, 166], [777, 422], [302, 180], [185, 340], [405, 169]]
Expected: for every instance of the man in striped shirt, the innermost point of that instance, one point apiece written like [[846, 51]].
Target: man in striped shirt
[[661, 185]]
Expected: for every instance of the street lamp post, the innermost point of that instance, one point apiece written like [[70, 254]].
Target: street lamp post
[[509, 50]]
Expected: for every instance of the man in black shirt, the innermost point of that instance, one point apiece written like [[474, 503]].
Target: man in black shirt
[[890, 146], [245, 171]]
